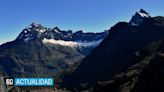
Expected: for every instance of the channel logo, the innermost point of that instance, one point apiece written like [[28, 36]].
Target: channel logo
[[9, 82], [30, 82]]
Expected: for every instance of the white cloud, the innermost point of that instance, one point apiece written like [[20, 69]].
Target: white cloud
[[71, 43], [1, 42]]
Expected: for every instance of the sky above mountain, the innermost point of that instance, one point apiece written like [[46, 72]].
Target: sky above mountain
[[87, 15]]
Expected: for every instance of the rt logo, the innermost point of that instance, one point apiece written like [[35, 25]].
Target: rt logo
[[9, 82]]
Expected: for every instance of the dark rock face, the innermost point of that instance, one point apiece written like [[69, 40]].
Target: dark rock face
[[116, 53], [144, 76], [151, 79]]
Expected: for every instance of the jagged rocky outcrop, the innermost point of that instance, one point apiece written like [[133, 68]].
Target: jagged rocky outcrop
[[139, 17], [37, 31]]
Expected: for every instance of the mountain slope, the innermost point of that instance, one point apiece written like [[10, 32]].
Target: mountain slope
[[34, 52], [144, 76], [35, 59], [116, 52]]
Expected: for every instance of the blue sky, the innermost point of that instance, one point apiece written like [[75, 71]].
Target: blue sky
[[87, 15]]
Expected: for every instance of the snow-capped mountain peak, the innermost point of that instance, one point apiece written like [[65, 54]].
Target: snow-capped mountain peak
[[35, 25], [39, 32], [143, 13], [31, 32], [139, 17], [56, 29]]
